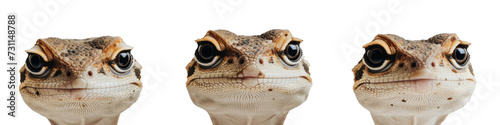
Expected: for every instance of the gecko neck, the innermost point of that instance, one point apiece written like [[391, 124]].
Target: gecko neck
[[103, 120], [436, 119], [248, 119]]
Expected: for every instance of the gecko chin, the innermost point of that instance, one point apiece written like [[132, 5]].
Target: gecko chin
[[414, 97], [226, 97], [78, 102]]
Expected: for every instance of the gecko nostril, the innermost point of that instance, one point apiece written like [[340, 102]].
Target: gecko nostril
[[68, 73], [414, 64], [90, 73], [242, 61], [433, 64], [261, 61]]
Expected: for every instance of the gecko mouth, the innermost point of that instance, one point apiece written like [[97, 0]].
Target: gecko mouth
[[80, 94], [255, 78], [399, 81], [71, 88], [240, 79], [420, 85]]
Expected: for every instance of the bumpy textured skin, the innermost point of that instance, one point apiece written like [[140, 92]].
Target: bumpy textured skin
[[81, 88], [223, 90], [395, 96]]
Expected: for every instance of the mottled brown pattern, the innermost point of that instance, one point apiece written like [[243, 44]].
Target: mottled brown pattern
[[77, 53], [272, 34], [441, 38], [251, 45]]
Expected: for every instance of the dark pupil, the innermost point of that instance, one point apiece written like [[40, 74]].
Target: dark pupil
[[376, 56], [123, 59], [292, 51], [460, 54], [36, 61], [206, 51]]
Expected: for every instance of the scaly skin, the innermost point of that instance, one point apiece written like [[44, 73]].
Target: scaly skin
[[421, 87], [249, 81], [79, 84]]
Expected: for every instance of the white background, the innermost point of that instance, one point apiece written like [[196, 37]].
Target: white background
[[163, 35]]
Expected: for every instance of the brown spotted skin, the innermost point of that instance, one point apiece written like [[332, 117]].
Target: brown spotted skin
[[224, 90], [81, 87], [422, 85]]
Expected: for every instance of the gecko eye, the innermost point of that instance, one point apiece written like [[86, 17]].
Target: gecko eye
[[207, 55], [292, 53], [459, 57], [123, 62], [377, 59], [37, 66], [207, 52]]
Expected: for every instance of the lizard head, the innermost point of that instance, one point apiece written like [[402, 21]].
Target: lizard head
[[73, 78], [248, 74], [414, 77]]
